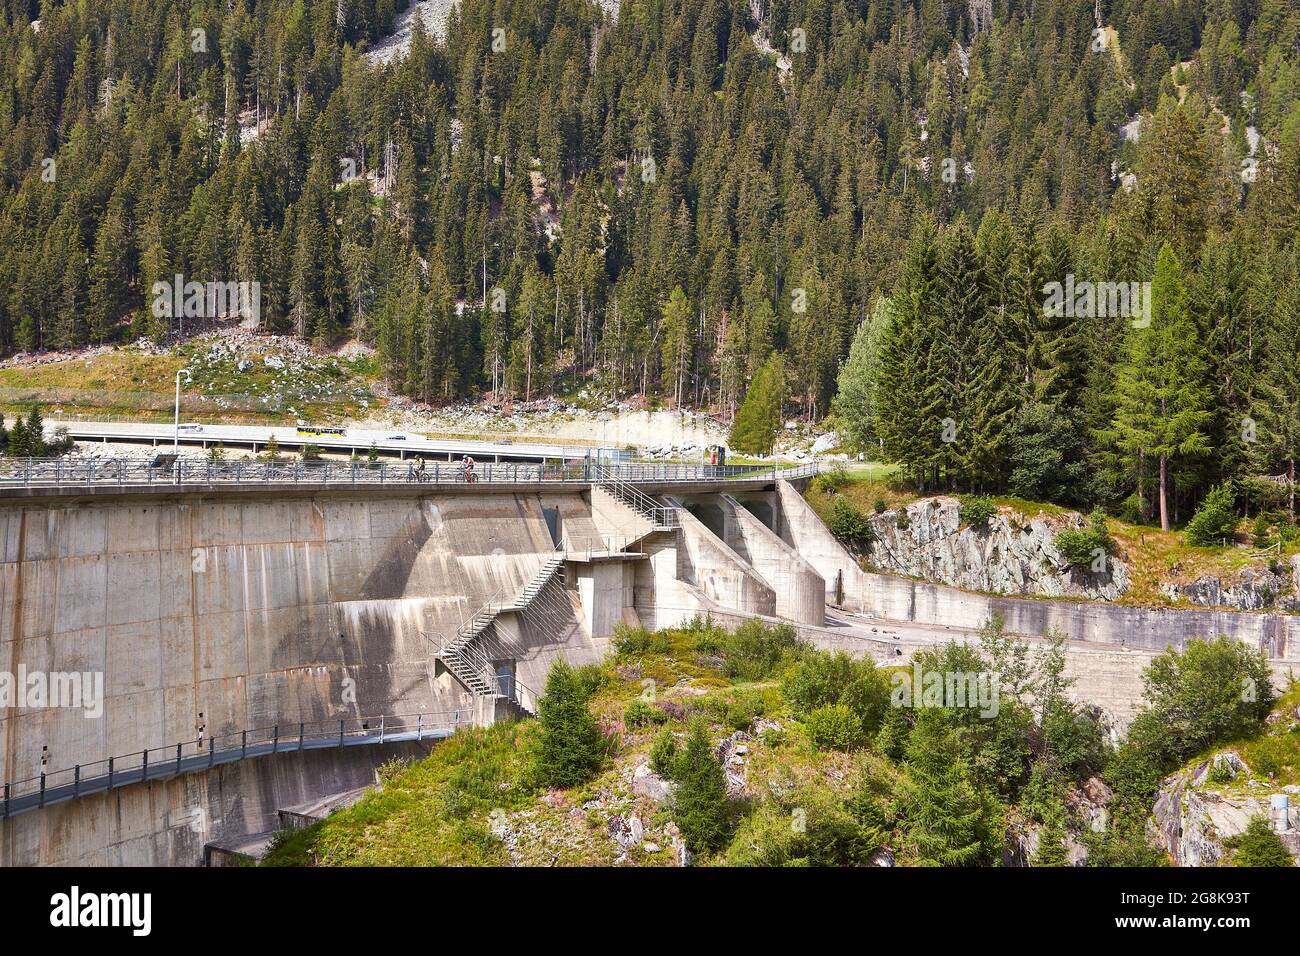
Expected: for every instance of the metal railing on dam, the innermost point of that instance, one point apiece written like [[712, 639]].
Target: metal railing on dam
[[150, 471], [161, 763]]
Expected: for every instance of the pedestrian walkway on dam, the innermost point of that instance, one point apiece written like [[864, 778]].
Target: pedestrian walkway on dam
[[162, 763], [19, 476]]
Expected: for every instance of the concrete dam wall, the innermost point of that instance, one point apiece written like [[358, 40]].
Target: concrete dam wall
[[209, 615]]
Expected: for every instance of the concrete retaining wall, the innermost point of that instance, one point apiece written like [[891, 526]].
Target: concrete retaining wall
[[705, 561], [904, 599], [800, 590], [167, 822]]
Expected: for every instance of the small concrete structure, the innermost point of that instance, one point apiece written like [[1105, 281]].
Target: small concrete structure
[[800, 590]]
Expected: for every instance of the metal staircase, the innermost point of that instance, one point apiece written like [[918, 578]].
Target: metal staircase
[[661, 517], [465, 654]]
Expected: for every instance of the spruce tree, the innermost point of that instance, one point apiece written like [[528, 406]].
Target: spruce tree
[[948, 821], [910, 392], [759, 419], [1163, 400], [699, 801], [570, 748]]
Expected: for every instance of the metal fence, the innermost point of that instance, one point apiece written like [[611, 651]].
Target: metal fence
[[159, 763], [39, 472]]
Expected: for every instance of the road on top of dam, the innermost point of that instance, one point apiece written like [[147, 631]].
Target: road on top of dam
[[393, 442]]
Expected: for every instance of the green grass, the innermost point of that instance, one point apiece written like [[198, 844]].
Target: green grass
[[132, 383], [436, 813], [1278, 744]]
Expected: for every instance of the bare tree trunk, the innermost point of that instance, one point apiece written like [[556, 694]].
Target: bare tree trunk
[[1164, 494]]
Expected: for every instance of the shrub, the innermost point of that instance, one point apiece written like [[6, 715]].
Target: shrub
[[834, 480], [390, 770], [570, 747], [638, 713], [821, 680], [827, 835], [847, 522], [1258, 845], [834, 727], [903, 521], [1266, 765], [1080, 547], [741, 712], [755, 651], [880, 505], [699, 804], [1212, 691], [1259, 533], [976, 510], [663, 753], [592, 677], [818, 681], [1216, 519], [629, 641]]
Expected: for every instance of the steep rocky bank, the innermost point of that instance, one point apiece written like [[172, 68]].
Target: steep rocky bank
[[1201, 806], [1251, 589], [1009, 554]]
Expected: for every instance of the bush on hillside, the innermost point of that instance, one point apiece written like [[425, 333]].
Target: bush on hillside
[[976, 510], [1259, 845], [1215, 521], [755, 650], [847, 522], [833, 727], [823, 680], [663, 753], [1083, 546], [1209, 693]]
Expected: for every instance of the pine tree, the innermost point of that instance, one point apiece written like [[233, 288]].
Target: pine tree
[[699, 801], [570, 748], [909, 391], [17, 440], [947, 820], [759, 420], [1163, 399], [675, 343], [1279, 404], [35, 433], [1051, 840]]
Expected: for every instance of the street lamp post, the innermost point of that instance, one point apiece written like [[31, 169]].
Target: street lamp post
[[176, 433]]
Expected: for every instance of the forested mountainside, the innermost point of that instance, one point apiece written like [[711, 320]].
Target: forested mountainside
[[663, 200]]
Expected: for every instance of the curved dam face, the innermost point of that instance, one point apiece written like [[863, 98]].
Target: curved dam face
[[205, 616]]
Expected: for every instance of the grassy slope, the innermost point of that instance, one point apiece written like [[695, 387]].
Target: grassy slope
[[134, 383], [1154, 557], [1279, 742], [440, 811]]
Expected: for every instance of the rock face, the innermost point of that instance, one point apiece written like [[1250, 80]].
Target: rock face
[[1191, 820], [1009, 555], [1252, 589], [1087, 810], [647, 783]]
